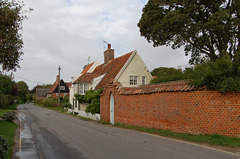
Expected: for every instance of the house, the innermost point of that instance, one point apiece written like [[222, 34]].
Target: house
[[54, 91], [40, 91], [128, 69]]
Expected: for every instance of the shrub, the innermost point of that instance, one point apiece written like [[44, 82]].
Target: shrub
[[66, 99], [222, 75], [49, 102], [67, 105], [9, 116], [3, 147], [80, 98], [93, 98]]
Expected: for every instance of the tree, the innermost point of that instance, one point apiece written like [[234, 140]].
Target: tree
[[165, 74], [10, 38], [6, 91], [208, 29], [22, 88]]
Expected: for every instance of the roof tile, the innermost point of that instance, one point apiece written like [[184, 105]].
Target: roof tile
[[110, 70], [176, 86]]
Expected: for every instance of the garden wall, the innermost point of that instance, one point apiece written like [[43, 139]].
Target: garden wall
[[174, 106]]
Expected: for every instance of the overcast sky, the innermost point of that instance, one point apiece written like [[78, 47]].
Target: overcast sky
[[67, 32]]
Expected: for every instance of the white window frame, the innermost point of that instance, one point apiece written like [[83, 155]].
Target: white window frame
[[133, 80], [143, 80], [83, 88]]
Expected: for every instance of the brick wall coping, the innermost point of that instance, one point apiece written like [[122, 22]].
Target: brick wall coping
[[174, 86]]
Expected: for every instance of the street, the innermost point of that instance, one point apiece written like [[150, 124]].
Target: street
[[47, 134]]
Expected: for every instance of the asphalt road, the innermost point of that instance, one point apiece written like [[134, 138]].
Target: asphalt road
[[47, 134]]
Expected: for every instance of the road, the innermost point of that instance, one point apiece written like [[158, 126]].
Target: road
[[47, 134]]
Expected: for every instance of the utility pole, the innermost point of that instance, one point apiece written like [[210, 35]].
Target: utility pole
[[59, 68]]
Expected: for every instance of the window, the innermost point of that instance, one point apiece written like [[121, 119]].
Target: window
[[133, 80], [75, 88], [83, 88], [143, 80], [62, 88]]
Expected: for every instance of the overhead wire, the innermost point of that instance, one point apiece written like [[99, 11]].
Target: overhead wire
[[30, 80]]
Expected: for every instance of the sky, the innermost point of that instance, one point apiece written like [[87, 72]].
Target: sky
[[70, 33]]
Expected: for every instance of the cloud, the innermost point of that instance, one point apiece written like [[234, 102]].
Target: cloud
[[66, 32]]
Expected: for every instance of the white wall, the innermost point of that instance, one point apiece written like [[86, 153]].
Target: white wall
[[135, 68]]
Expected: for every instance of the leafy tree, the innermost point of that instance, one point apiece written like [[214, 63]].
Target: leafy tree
[[10, 37], [6, 91], [208, 29], [165, 74], [23, 91], [220, 75]]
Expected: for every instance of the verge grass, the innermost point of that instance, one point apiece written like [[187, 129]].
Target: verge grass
[[7, 130], [213, 139]]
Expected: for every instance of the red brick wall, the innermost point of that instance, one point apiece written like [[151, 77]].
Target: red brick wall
[[55, 95], [195, 112]]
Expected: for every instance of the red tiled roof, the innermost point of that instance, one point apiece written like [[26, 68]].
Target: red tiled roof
[[87, 77], [87, 68], [55, 84], [176, 86], [68, 84], [111, 70]]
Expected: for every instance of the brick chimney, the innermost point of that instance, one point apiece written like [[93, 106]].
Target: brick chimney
[[57, 78], [108, 54]]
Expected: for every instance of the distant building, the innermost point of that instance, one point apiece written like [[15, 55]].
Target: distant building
[[54, 91]]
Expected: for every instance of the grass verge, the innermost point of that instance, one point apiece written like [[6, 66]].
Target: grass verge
[[213, 139], [7, 130]]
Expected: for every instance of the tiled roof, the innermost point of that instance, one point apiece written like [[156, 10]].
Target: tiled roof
[[55, 84], [87, 77], [68, 84], [87, 68], [176, 86], [111, 70]]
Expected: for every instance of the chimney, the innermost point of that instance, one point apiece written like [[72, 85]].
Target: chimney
[[57, 78], [108, 54]]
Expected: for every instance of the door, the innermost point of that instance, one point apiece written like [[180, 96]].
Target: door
[[112, 109]]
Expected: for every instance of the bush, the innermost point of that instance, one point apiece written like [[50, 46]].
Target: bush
[[49, 102], [80, 98], [66, 99], [67, 105], [93, 98], [3, 148], [9, 116], [222, 75]]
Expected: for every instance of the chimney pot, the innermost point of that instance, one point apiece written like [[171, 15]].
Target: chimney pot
[[108, 54]]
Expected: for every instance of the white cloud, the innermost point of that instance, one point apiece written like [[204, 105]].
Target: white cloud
[[66, 32]]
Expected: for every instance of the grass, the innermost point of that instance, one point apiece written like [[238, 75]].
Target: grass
[[3, 111], [213, 139], [7, 130]]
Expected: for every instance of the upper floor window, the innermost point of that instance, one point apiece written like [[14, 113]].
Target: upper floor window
[[133, 80], [62, 88], [143, 80], [83, 88]]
